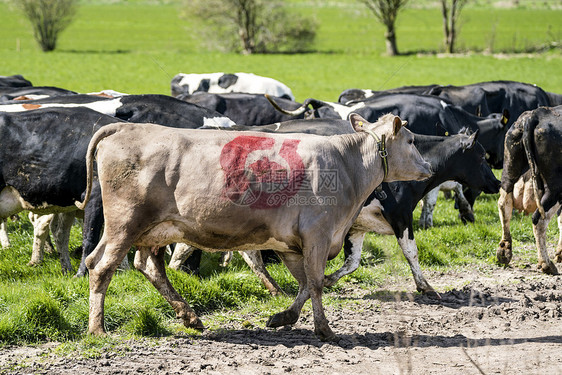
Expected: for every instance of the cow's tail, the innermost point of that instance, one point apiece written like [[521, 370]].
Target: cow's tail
[[104, 132], [528, 144], [315, 103]]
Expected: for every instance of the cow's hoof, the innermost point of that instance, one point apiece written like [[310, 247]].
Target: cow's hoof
[[431, 294], [557, 257], [548, 268], [283, 318], [504, 253], [325, 333], [193, 322], [467, 217]]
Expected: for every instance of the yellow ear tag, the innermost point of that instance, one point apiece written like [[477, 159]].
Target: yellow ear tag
[[360, 123], [447, 133]]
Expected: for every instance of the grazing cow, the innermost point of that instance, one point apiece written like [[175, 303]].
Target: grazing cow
[[350, 96], [533, 143], [157, 109], [220, 83], [14, 81], [7, 94], [390, 210], [244, 109], [229, 191]]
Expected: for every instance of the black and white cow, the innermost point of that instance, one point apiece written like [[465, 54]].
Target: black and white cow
[[157, 109], [244, 109], [14, 81], [220, 83], [160, 109], [533, 144]]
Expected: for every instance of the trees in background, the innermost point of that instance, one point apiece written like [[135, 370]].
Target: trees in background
[[386, 12], [451, 10], [252, 26], [48, 18]]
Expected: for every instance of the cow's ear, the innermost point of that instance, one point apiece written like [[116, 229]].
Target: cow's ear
[[357, 122], [396, 125], [469, 143], [505, 117]]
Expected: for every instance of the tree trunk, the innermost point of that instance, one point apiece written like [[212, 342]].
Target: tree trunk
[[390, 35]]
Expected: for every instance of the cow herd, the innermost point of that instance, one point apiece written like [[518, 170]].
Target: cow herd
[[230, 162]]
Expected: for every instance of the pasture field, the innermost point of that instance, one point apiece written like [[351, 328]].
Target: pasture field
[[138, 46]]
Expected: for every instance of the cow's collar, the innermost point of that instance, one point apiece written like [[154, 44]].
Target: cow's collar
[[381, 145]]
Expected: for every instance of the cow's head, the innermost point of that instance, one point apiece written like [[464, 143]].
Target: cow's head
[[397, 143], [492, 135]]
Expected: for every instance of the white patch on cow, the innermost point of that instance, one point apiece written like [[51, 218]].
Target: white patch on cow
[[368, 93], [370, 219], [107, 107], [443, 104], [108, 93], [343, 111], [11, 202], [36, 96], [217, 122], [277, 125], [410, 250]]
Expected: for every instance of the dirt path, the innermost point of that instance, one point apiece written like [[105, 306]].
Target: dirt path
[[489, 321]]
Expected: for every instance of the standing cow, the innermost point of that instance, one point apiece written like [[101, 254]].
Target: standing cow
[[226, 191], [533, 144]]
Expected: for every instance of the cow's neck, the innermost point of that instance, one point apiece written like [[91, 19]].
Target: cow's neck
[[360, 156]]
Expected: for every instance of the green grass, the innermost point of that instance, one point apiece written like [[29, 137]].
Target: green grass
[[138, 46]]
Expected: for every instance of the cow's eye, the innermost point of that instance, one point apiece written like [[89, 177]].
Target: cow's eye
[[411, 141]]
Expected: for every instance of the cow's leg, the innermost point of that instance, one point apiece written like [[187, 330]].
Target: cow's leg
[[466, 214], [428, 205], [40, 233], [558, 253], [410, 249], [226, 258], [539, 230], [150, 262], [4, 240], [102, 263], [505, 208], [181, 252], [295, 264], [61, 226], [93, 224], [255, 261], [353, 246]]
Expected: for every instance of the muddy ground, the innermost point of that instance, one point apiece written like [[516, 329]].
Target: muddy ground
[[489, 321]]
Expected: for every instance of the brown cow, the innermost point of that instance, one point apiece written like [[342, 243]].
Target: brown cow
[[220, 190]]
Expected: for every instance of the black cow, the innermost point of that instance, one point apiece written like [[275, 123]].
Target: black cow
[[244, 109], [350, 96], [14, 81], [425, 115], [157, 109], [533, 143], [493, 97]]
